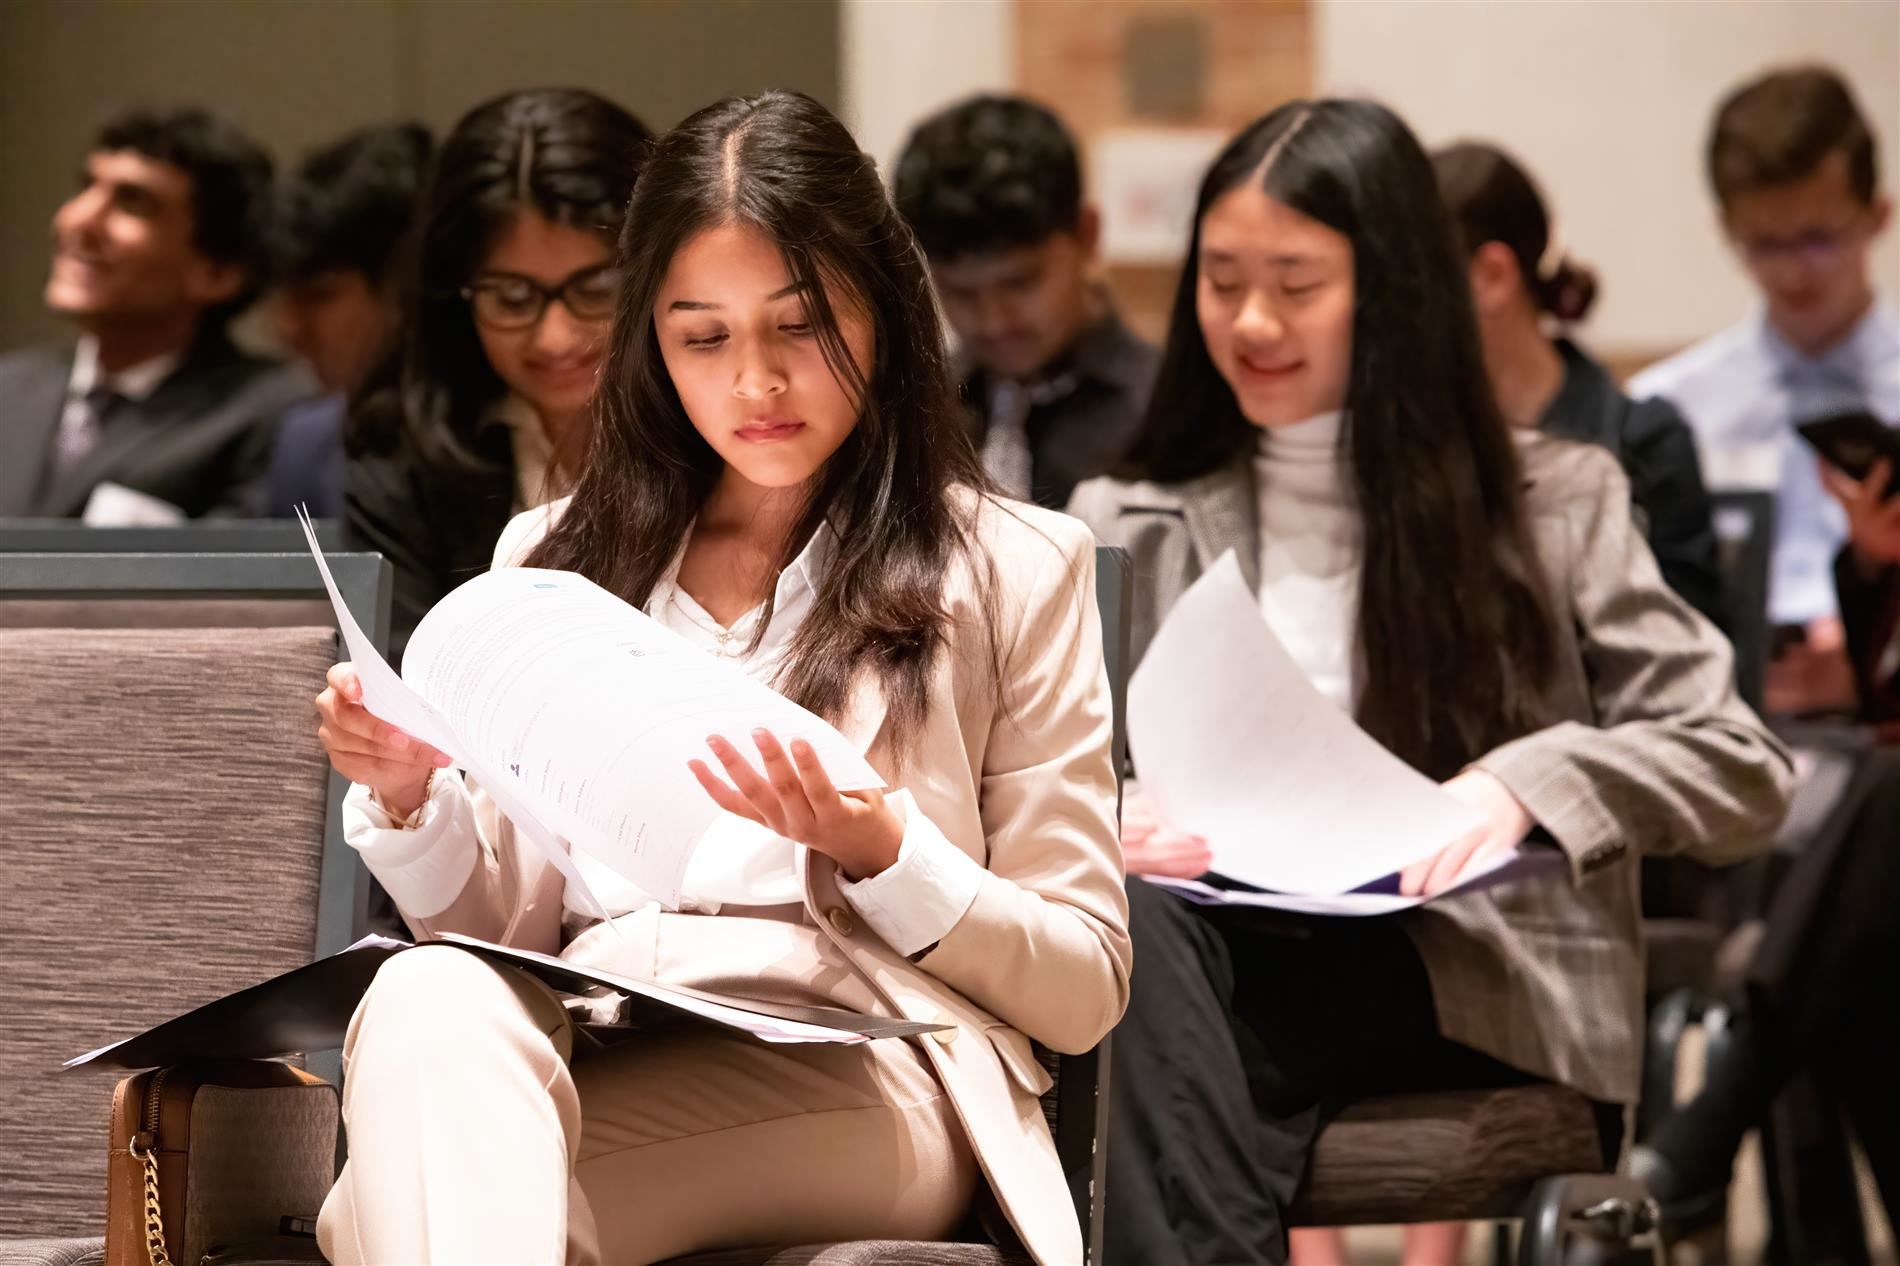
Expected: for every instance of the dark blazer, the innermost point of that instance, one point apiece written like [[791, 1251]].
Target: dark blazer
[[1653, 753], [1657, 451], [201, 442], [1870, 612], [306, 464], [436, 526], [1087, 431]]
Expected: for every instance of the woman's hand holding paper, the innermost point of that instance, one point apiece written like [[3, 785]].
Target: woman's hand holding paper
[[1506, 823], [1149, 847], [365, 750], [793, 797]]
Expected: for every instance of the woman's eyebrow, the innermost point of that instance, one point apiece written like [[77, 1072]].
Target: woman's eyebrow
[[1286, 260], [695, 305]]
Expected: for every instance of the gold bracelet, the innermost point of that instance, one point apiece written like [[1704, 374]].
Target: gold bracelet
[[414, 820]]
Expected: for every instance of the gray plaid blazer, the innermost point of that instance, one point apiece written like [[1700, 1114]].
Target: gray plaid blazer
[[1656, 755]]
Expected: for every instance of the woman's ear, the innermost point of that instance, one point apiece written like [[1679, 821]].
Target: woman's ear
[[1496, 280]]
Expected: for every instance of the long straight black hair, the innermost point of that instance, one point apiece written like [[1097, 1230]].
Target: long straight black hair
[[565, 153], [780, 163], [1455, 644]]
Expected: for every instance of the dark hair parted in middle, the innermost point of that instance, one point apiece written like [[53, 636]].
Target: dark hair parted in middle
[[989, 174], [1492, 199], [894, 494], [569, 155], [1453, 635]]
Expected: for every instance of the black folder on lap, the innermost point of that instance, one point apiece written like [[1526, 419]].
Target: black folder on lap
[[308, 1009]]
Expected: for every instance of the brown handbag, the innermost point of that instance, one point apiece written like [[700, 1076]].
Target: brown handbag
[[208, 1155]]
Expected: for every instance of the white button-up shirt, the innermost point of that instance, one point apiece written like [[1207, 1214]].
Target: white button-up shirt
[[1743, 392], [912, 904]]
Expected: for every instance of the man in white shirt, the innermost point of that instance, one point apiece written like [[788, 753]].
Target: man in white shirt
[[154, 416], [1794, 169]]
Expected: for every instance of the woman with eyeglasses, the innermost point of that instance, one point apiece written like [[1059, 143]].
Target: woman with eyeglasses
[[507, 303]]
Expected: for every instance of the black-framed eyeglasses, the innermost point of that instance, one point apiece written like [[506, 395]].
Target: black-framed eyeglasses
[[509, 301]]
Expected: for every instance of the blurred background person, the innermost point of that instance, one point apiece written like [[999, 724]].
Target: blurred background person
[[1795, 173], [1867, 578], [340, 222], [505, 311], [1054, 381], [1527, 289], [154, 416]]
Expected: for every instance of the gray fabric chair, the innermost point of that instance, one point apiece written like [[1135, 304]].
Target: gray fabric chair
[[200, 536], [171, 827]]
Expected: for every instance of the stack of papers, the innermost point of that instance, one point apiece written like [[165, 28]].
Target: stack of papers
[[1301, 808]]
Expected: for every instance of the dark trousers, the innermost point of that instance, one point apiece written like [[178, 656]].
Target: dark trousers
[[1822, 982], [1244, 1030]]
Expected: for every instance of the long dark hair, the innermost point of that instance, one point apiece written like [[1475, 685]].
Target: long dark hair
[[1492, 199], [782, 164], [1454, 641], [567, 154]]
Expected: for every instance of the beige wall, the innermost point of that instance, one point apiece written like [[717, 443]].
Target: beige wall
[[1608, 106], [297, 72], [901, 60]]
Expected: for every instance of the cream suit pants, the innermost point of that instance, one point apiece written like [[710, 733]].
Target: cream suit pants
[[475, 1137]]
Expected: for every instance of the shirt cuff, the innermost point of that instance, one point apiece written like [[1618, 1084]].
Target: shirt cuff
[[423, 866], [914, 902]]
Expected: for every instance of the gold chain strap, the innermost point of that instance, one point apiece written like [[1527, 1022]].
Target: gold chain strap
[[154, 1216]]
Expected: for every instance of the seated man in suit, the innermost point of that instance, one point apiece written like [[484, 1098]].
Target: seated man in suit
[[1795, 171], [1054, 382], [340, 223], [154, 416]]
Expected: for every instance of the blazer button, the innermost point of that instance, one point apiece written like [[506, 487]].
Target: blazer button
[[841, 923], [945, 1036]]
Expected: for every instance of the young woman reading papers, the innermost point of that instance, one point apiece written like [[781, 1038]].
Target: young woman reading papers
[[1481, 602], [777, 473]]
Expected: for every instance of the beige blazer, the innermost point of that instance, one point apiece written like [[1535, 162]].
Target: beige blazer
[[1655, 754], [1016, 772]]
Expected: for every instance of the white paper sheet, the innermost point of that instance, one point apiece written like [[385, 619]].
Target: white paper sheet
[[596, 708], [389, 699], [577, 714], [1231, 742]]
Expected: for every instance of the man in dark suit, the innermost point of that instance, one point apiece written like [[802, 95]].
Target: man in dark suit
[[154, 416], [1054, 382], [340, 223]]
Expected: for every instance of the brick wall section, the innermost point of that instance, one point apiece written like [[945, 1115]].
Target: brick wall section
[[1075, 55]]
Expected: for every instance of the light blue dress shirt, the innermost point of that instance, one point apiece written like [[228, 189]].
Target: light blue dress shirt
[[1743, 392]]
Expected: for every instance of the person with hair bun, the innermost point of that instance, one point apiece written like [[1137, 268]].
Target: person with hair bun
[[1526, 289]]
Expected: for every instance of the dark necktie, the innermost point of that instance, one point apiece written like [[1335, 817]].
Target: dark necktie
[[80, 427]]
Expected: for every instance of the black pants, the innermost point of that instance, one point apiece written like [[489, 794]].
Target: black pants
[[1822, 983], [1244, 1029]]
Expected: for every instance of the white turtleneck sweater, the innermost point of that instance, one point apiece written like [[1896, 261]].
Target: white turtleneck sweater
[[1310, 550]]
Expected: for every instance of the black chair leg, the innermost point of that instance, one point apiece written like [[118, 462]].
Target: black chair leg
[[1612, 1212]]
